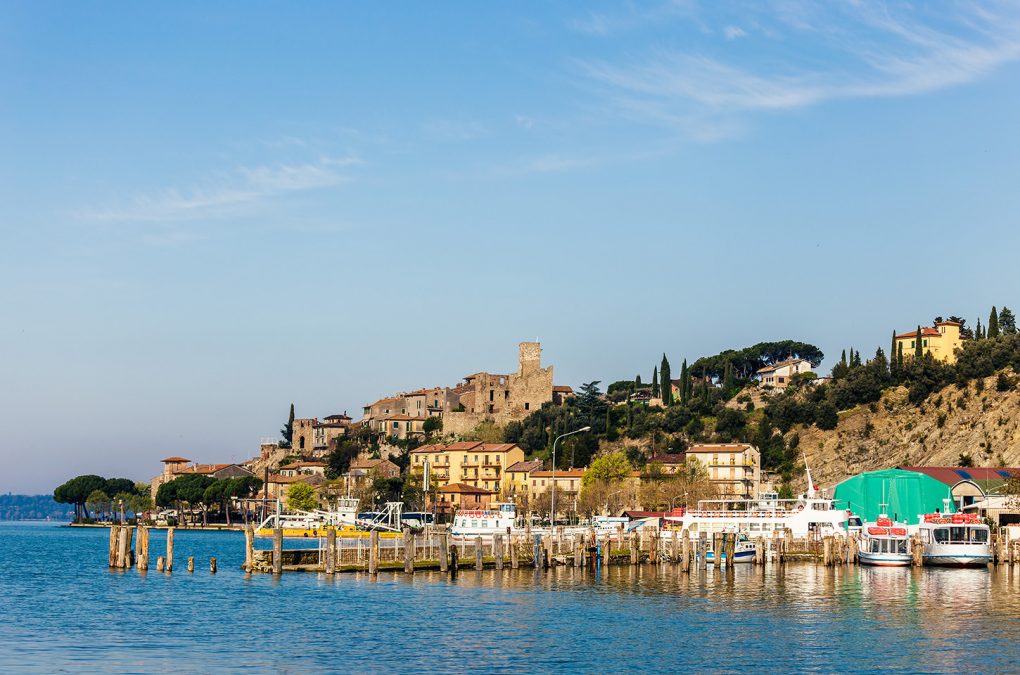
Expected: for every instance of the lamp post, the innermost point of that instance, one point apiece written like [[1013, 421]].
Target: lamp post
[[552, 500]]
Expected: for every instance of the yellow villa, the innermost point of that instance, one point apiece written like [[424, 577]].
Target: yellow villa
[[734, 468], [479, 465], [941, 342]]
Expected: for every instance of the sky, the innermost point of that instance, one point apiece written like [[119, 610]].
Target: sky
[[213, 210]]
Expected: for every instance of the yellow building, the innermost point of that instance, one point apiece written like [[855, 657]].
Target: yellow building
[[480, 465], [941, 342], [734, 468]]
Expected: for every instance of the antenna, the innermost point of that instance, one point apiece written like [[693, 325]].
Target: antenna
[[810, 483]]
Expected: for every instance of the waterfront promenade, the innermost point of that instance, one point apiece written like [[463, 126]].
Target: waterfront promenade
[[65, 610]]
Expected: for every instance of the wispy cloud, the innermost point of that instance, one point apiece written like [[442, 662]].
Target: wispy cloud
[[860, 50], [225, 194]]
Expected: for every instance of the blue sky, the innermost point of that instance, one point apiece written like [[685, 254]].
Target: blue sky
[[211, 211]]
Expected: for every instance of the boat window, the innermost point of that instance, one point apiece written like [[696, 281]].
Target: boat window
[[958, 535], [941, 535], [979, 535], [876, 545], [820, 507], [901, 546], [474, 523], [485, 523]]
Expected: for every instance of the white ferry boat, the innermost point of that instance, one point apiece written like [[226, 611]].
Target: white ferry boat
[[468, 525], [884, 543], [344, 518], [957, 539]]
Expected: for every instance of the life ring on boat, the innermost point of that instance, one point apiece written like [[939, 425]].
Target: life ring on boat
[[800, 507]]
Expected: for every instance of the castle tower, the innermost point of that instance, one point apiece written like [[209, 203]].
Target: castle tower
[[530, 359]]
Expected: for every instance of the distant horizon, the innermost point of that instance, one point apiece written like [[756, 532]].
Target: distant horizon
[[212, 212]]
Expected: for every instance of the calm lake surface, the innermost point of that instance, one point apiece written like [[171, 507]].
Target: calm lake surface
[[62, 610]]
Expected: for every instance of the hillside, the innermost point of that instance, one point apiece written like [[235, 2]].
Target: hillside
[[975, 420]]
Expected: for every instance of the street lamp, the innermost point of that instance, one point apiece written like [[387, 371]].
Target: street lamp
[[552, 501]]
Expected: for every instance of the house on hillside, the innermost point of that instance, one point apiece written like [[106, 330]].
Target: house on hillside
[[941, 342], [778, 375]]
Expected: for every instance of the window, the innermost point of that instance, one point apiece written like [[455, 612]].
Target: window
[[396, 425], [302, 442], [911, 344], [506, 395], [491, 393], [925, 343], [527, 406]]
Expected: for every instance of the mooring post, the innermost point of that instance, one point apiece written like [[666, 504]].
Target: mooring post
[[212, 565], [331, 550], [444, 551], [277, 550], [479, 560], [578, 550], [191, 564], [169, 549], [408, 551], [731, 550], [249, 548], [124, 547], [514, 552], [454, 560], [113, 544], [635, 548], [702, 550], [537, 552], [685, 555], [373, 552], [497, 550], [160, 564]]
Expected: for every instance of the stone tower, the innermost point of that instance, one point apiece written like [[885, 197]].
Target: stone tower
[[530, 359]]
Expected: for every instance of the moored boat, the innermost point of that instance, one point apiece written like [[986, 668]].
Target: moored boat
[[743, 552], [884, 543], [955, 540]]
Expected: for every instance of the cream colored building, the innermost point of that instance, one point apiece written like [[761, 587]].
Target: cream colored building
[[480, 465], [778, 375], [941, 342], [734, 468]]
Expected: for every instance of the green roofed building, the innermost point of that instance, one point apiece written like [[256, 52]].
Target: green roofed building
[[906, 495]]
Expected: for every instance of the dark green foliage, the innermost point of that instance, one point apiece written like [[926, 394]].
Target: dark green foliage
[[730, 425], [746, 362], [287, 432], [655, 382], [1007, 322], [918, 344], [685, 384], [338, 461], [893, 365], [786, 410], [665, 384], [826, 416], [965, 460], [77, 490], [118, 485], [1003, 382], [993, 324], [432, 425], [862, 384]]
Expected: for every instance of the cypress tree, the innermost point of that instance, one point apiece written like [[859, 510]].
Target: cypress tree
[[665, 385], [1007, 322], [893, 365], [899, 357], [993, 324], [637, 380], [655, 382], [685, 384], [978, 334], [918, 349], [728, 378], [287, 432]]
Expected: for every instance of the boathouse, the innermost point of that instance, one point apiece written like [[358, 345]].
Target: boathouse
[[902, 495]]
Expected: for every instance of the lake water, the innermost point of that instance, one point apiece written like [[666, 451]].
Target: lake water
[[62, 610]]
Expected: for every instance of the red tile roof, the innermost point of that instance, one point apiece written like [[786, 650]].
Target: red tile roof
[[927, 331], [461, 488], [718, 447], [560, 473], [668, 458], [525, 466]]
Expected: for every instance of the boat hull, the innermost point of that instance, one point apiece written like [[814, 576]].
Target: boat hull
[[738, 557], [957, 560], [884, 559]]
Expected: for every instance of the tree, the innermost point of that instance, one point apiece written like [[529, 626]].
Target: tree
[[301, 497], [99, 501], [1007, 322], [993, 324], [287, 432], [655, 382], [918, 344], [685, 383], [77, 490], [728, 384], [826, 416], [487, 431], [338, 461], [978, 333], [665, 384], [604, 497], [893, 368], [637, 380], [432, 425], [610, 468]]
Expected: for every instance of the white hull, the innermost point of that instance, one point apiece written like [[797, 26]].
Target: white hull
[[884, 559]]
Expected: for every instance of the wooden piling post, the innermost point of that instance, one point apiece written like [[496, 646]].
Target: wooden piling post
[[160, 564], [249, 548], [114, 538], [212, 565], [702, 550], [479, 560], [408, 551], [537, 551], [549, 553], [373, 552], [444, 551], [685, 559], [169, 549], [917, 550], [731, 550], [277, 550], [635, 548], [578, 550], [191, 564], [142, 547], [454, 560], [497, 550], [331, 550], [123, 546], [514, 553]]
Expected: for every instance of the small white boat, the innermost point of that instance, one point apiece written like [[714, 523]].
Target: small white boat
[[884, 543], [743, 552], [469, 525], [955, 540]]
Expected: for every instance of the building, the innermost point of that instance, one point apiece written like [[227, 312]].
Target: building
[[481, 465], [976, 489], [517, 477], [668, 462], [459, 497], [179, 466], [778, 375], [904, 496], [277, 486], [303, 468], [568, 486], [361, 469], [734, 468], [941, 342], [399, 426]]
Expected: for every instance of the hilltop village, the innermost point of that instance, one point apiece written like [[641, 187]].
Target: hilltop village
[[736, 425]]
